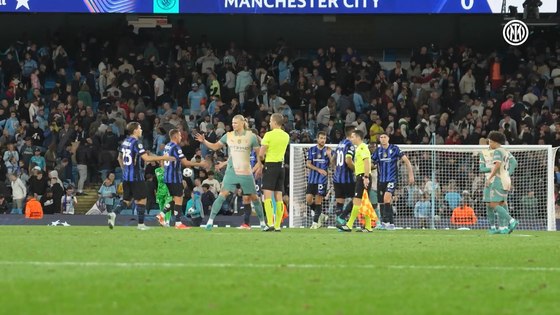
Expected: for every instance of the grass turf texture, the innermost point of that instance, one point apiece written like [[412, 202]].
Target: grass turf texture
[[93, 270]]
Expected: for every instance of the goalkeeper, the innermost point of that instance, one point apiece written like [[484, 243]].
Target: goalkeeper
[[163, 198]]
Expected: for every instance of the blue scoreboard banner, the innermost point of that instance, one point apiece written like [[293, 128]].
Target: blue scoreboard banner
[[267, 6]]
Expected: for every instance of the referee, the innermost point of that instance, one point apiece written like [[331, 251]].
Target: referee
[[273, 149]]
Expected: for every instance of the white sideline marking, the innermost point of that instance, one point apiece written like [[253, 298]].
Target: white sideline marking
[[235, 265]]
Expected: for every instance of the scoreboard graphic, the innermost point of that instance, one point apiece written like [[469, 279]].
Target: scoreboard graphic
[[268, 6]]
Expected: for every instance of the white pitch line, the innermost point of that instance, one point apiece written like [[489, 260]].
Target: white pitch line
[[293, 266]]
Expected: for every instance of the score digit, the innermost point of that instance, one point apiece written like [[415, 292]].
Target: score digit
[[465, 6]]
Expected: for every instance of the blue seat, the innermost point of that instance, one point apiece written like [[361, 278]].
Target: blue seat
[[127, 212], [16, 211], [389, 55]]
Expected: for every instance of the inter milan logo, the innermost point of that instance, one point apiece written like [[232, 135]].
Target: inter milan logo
[[166, 4], [239, 141]]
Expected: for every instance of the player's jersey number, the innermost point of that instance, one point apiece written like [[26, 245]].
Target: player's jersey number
[[339, 158], [127, 156]]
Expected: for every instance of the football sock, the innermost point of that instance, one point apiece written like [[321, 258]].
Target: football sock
[[217, 206], [503, 215], [168, 207], [353, 216], [347, 211], [367, 218], [246, 214], [269, 212], [141, 210], [179, 210], [389, 210], [383, 217], [338, 209], [279, 214], [258, 210], [491, 217], [318, 210], [120, 206]]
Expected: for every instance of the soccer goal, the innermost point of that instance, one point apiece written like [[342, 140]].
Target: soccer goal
[[448, 177]]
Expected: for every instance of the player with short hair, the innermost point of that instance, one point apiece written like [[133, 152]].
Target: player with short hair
[[318, 160], [362, 167], [173, 178], [247, 208], [273, 149], [386, 157], [343, 179], [134, 185], [499, 182], [241, 141]]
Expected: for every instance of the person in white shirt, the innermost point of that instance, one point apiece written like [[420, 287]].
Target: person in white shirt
[[19, 191], [159, 87], [213, 183]]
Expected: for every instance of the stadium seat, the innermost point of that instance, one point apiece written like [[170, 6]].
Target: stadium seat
[[16, 211], [389, 55], [127, 212]]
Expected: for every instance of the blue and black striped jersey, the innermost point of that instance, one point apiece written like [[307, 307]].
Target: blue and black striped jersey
[[342, 173], [172, 174], [131, 150], [387, 163], [320, 160]]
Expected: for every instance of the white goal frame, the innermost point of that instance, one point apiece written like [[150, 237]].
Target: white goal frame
[[551, 219]]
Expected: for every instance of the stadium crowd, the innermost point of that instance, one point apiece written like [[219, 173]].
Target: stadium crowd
[[65, 106]]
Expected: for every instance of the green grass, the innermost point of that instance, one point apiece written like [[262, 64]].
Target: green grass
[[227, 271]]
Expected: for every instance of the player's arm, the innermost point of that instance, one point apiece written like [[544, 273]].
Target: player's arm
[[258, 164], [349, 158], [257, 169], [512, 165], [221, 164], [149, 159], [483, 168], [264, 147], [212, 146], [120, 159], [497, 164], [409, 166], [367, 166], [188, 163]]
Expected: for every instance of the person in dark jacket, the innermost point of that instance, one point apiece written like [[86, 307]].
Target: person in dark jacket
[[47, 202], [4, 206], [38, 184], [36, 134], [207, 199]]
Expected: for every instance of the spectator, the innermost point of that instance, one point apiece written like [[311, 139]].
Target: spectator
[[68, 201], [19, 191], [38, 183], [47, 202], [207, 199], [107, 192], [213, 184]]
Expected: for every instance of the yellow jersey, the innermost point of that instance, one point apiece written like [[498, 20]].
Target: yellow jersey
[[362, 153], [277, 141], [375, 128]]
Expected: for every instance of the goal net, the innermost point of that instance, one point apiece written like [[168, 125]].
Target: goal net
[[448, 177]]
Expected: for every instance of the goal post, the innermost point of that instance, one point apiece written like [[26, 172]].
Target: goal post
[[458, 183]]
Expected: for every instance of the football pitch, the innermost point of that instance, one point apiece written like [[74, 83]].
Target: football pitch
[[94, 270]]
